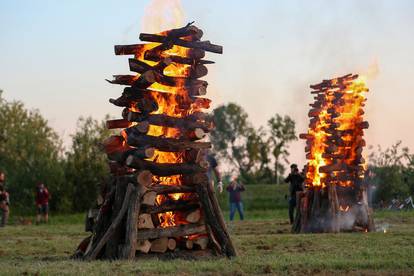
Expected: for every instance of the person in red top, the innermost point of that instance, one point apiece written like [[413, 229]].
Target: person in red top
[[4, 205], [42, 203]]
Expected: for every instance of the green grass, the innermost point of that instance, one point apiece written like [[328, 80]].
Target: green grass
[[264, 244]]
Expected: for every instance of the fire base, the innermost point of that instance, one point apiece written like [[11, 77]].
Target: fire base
[[320, 211]]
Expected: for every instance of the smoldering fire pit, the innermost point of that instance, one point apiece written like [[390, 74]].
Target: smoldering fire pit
[[335, 198], [161, 200]]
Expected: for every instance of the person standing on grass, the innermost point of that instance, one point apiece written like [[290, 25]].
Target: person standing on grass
[[213, 170], [42, 203], [295, 180], [4, 204], [235, 189]]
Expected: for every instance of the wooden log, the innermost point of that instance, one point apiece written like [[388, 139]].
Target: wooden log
[[144, 152], [149, 198], [144, 246], [306, 136], [202, 242], [144, 177], [214, 218], [147, 78], [172, 189], [145, 221], [187, 31], [104, 219], [332, 167], [128, 250], [164, 144], [189, 244], [117, 169], [164, 169], [193, 216], [114, 143], [198, 71], [171, 206], [196, 134], [136, 65], [111, 250], [172, 232], [122, 79], [205, 45], [195, 179], [194, 57], [172, 244], [115, 224], [159, 52], [159, 245], [118, 123], [169, 121], [130, 49]]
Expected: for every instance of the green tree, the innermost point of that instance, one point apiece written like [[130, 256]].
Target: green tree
[[236, 141], [30, 152], [393, 170], [86, 165], [282, 131]]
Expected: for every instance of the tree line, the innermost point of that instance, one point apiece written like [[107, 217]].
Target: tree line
[[32, 152]]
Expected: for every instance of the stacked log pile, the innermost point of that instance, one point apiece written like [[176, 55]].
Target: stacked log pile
[[161, 200], [335, 198]]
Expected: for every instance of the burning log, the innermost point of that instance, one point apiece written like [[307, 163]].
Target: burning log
[[334, 147], [172, 232], [168, 121], [204, 45], [165, 169], [118, 123], [165, 144], [170, 189], [167, 207]]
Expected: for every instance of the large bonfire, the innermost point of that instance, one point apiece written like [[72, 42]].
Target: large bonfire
[[161, 200], [336, 195]]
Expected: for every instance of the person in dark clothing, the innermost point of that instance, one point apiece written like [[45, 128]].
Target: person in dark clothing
[[235, 189], [4, 205], [295, 180], [213, 170], [2, 179], [42, 203]]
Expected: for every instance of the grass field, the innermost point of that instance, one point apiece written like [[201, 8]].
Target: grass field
[[263, 241]]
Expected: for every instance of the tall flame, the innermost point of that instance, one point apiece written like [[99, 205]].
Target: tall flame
[[160, 15]]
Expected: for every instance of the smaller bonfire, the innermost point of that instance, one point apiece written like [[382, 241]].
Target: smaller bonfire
[[336, 195]]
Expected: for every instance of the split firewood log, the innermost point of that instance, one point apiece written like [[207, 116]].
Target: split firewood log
[[145, 221], [144, 246], [193, 216], [172, 244], [149, 198], [159, 245], [202, 242]]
